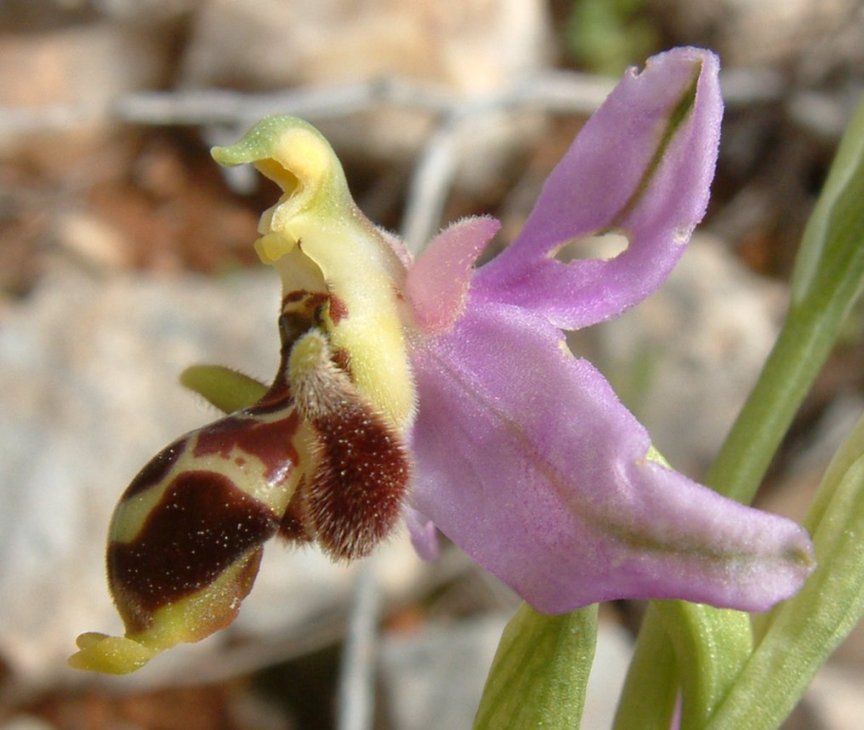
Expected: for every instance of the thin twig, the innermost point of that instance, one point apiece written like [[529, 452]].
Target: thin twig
[[218, 106], [556, 91], [357, 674], [551, 91], [430, 185]]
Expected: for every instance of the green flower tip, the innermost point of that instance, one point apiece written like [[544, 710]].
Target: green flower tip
[[260, 141], [285, 149]]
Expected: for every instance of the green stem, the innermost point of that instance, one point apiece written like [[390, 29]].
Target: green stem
[[825, 284], [803, 346], [696, 648], [648, 698], [710, 646]]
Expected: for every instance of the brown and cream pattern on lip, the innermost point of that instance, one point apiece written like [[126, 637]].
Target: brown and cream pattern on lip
[[311, 461]]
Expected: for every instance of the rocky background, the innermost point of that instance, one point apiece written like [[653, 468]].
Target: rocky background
[[125, 256]]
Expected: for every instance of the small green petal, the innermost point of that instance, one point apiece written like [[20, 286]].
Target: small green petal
[[222, 387]]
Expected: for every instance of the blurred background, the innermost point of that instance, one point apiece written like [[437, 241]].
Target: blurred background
[[125, 256]]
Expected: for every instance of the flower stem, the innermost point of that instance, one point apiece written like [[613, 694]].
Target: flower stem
[[798, 355], [648, 698]]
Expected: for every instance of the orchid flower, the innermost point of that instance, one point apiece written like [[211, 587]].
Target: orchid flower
[[446, 393]]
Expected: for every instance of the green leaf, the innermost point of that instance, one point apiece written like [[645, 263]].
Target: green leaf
[[710, 646], [688, 645], [648, 699], [224, 388], [827, 281], [540, 671], [830, 264], [800, 634]]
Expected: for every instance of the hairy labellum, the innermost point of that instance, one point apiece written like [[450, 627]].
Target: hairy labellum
[[312, 460], [360, 473]]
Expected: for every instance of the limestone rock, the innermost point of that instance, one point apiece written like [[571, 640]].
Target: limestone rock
[[76, 71], [462, 48]]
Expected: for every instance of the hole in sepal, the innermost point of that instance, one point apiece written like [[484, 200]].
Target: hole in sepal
[[603, 246]]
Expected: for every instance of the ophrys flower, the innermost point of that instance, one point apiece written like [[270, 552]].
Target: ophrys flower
[[450, 389]]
